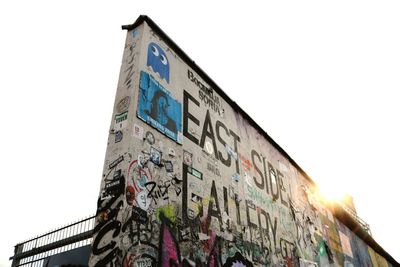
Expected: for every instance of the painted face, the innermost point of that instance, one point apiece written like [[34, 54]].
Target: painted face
[[157, 59], [162, 106]]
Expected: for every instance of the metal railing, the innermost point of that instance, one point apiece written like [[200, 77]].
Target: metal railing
[[360, 221], [33, 252]]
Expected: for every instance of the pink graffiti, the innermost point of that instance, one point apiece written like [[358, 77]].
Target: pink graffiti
[[169, 249]]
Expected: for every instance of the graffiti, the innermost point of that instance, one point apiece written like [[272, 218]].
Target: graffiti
[[112, 187], [157, 59], [273, 186], [158, 108], [107, 223], [132, 259], [222, 196], [236, 177], [130, 195], [214, 170], [208, 131], [206, 94], [142, 200], [169, 212], [246, 163], [139, 215], [130, 62], [160, 191], [237, 260], [169, 254], [123, 104]]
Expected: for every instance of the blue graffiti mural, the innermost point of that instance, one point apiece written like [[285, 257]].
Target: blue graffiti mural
[[157, 59], [158, 108]]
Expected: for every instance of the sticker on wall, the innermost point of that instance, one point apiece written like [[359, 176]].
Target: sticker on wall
[[236, 177], [118, 136], [142, 200], [187, 158], [158, 61], [138, 131], [123, 104], [155, 156], [171, 152], [168, 166], [139, 215], [209, 148], [130, 195], [159, 109], [195, 173], [196, 199], [142, 160], [114, 186], [150, 138], [121, 120], [116, 162], [346, 247]]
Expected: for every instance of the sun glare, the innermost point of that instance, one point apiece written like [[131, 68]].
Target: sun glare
[[331, 192]]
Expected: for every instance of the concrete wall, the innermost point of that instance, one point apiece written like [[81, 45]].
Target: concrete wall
[[187, 180]]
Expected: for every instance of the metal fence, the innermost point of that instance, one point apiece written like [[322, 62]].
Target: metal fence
[[33, 252], [360, 221]]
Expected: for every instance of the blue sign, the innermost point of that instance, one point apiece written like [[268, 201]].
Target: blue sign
[[158, 108]]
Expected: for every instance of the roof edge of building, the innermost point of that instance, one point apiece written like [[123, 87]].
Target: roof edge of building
[[203, 74]]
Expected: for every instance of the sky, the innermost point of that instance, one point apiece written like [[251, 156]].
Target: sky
[[320, 77]]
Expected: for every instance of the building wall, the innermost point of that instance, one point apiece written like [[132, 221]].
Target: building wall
[[188, 181]]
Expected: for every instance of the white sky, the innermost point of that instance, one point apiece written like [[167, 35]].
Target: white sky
[[320, 77]]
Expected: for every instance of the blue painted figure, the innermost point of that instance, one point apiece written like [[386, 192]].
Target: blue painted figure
[[157, 59]]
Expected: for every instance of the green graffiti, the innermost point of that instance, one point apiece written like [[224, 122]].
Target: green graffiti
[[259, 197], [168, 211], [321, 248]]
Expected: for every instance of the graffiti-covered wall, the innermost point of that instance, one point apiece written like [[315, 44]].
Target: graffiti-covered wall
[[188, 181]]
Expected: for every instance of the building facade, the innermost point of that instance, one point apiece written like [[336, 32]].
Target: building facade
[[191, 180]]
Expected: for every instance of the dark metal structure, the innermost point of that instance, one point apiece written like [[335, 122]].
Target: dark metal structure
[[34, 252]]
